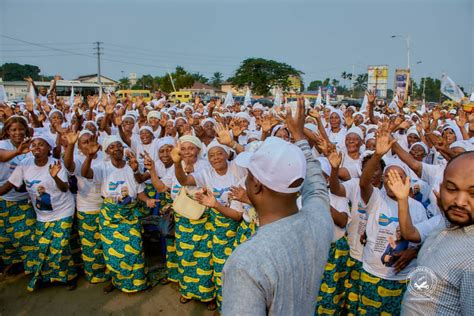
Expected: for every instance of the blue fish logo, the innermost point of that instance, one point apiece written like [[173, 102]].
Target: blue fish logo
[[384, 220], [32, 183], [114, 185]]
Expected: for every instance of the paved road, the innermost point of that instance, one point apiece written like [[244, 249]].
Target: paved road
[[88, 299]]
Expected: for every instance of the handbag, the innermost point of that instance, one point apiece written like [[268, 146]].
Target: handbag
[[186, 206]]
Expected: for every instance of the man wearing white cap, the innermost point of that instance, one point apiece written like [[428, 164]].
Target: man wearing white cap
[[279, 269]]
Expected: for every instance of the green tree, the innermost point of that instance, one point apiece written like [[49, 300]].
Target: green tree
[[432, 89], [181, 78], [124, 83], [314, 85], [216, 79], [146, 82], [15, 72], [326, 82], [360, 83], [200, 78], [261, 75]]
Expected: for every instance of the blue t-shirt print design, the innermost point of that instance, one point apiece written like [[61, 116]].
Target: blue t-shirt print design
[[43, 199], [31, 183]]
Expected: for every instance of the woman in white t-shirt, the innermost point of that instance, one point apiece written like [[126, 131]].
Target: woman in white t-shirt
[[225, 217], [383, 278], [17, 217], [336, 132], [88, 205], [46, 182], [193, 238], [351, 164], [119, 225], [332, 289]]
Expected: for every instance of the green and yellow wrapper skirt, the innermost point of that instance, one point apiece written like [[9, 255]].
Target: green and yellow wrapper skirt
[[50, 259], [194, 253], [378, 296], [142, 210], [352, 285], [17, 224], [223, 236], [331, 295], [121, 238], [91, 247], [244, 232]]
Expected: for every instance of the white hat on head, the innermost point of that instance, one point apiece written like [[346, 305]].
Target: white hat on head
[[153, 114], [109, 141], [51, 142], [276, 164], [356, 130]]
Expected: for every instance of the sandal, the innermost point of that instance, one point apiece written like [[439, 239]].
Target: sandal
[[109, 288], [72, 285], [184, 300], [211, 306], [165, 281]]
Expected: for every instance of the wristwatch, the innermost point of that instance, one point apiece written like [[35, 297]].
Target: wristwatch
[[234, 146]]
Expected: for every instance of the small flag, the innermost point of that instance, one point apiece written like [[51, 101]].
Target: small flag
[[3, 94], [319, 100], [71, 97], [229, 99], [450, 89], [363, 107], [248, 98], [278, 98], [328, 102]]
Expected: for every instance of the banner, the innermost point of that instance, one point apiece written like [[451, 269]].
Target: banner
[[450, 89], [402, 82], [378, 80]]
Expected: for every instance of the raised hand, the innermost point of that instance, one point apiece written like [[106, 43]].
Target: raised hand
[[295, 123], [436, 114], [223, 135], [314, 113], [24, 147], [384, 141], [335, 159], [461, 120], [401, 104], [400, 189], [348, 119], [93, 147], [132, 160], [206, 198], [71, 137], [148, 161], [176, 154], [236, 128], [371, 96], [29, 104], [109, 109], [54, 168]]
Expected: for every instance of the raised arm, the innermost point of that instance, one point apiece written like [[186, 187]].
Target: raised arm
[[408, 159], [7, 155], [71, 138], [91, 151], [54, 172], [335, 186], [155, 180], [181, 176], [402, 190], [383, 145]]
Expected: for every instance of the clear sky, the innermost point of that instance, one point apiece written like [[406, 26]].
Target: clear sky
[[320, 38]]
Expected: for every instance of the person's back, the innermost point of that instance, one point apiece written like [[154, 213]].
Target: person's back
[[278, 271]]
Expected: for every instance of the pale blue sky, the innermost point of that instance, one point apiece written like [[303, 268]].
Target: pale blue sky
[[320, 38]]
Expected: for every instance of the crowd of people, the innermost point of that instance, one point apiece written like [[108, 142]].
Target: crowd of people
[[292, 210]]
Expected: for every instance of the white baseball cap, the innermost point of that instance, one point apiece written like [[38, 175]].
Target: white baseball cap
[[276, 164]]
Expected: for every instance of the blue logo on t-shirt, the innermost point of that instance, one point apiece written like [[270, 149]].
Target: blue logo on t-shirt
[[385, 220], [114, 185], [31, 183]]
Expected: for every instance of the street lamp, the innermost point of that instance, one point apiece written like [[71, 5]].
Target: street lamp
[[407, 39]]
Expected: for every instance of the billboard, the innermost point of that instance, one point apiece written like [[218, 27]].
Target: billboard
[[378, 80], [402, 82]]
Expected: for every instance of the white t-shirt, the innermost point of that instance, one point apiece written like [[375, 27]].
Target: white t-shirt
[[49, 202], [358, 220], [170, 178], [117, 184], [88, 196], [435, 223], [339, 204], [353, 166], [381, 228], [7, 168], [338, 138], [220, 185]]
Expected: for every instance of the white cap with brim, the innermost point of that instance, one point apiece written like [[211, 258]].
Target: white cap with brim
[[277, 164]]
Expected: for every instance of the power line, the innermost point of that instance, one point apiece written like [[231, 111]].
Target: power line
[[45, 46]]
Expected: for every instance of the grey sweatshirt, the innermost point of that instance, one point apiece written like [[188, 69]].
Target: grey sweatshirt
[[278, 271]]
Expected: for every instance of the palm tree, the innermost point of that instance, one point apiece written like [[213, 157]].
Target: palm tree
[[361, 82], [216, 79]]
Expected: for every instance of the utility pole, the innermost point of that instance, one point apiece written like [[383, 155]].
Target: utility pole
[[98, 52], [352, 81]]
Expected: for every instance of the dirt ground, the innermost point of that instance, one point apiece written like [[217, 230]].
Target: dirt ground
[[89, 299]]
